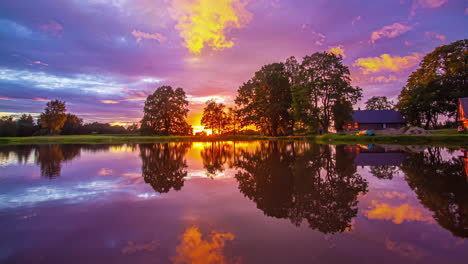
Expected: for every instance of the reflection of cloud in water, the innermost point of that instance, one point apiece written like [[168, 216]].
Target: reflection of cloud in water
[[405, 249], [71, 193], [194, 249], [398, 214]]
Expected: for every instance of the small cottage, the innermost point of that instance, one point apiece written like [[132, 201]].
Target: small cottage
[[462, 116], [375, 120]]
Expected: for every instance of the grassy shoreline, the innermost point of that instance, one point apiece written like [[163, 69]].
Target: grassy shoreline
[[437, 139]]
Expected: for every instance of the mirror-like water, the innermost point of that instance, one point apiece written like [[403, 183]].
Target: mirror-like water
[[233, 202]]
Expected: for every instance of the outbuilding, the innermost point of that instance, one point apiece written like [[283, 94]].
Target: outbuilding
[[375, 120]]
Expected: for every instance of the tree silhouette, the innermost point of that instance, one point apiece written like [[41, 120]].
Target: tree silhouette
[[379, 103], [165, 112], [441, 186], [265, 100], [300, 181], [164, 166]]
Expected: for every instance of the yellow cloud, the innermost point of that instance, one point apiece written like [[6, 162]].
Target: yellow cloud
[[431, 3], [206, 22], [388, 63], [193, 249], [391, 31], [398, 214], [337, 50]]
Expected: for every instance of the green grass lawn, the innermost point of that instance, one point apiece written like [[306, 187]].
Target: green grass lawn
[[447, 137]]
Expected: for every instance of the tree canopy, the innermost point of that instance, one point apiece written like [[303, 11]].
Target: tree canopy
[[54, 117], [379, 103], [165, 112], [321, 87], [265, 100], [434, 88]]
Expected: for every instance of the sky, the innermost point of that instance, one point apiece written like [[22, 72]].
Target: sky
[[103, 57]]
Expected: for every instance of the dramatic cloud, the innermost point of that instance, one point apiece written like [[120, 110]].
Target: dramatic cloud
[[388, 63], [206, 22], [398, 214], [193, 249], [139, 35], [391, 31], [435, 36], [337, 50]]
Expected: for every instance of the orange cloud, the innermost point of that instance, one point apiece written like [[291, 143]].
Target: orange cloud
[[405, 249], [139, 35], [337, 50], [398, 214], [109, 102], [6, 98], [388, 63], [206, 22], [391, 31], [193, 249]]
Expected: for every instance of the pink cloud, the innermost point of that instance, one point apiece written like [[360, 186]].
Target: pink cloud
[[53, 28], [139, 35], [435, 36], [391, 31], [40, 99]]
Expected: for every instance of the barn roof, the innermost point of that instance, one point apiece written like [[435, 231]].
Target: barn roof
[[378, 116], [464, 105]]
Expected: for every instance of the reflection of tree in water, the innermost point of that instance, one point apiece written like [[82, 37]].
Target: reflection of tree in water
[[51, 157], [301, 181], [164, 166], [384, 172], [215, 155], [441, 186], [22, 153]]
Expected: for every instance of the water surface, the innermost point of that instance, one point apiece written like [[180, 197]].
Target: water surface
[[233, 202]]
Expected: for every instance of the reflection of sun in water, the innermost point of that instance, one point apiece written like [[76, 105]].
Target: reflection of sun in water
[[194, 249]]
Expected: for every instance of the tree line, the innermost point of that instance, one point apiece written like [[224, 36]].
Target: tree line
[[283, 98], [55, 121]]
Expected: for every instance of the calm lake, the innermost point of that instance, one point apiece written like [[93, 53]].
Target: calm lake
[[233, 202]]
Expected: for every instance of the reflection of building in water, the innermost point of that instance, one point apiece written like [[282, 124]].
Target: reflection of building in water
[[370, 155], [383, 162]]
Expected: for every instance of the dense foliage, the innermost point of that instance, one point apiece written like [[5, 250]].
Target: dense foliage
[[379, 103], [434, 88], [165, 112]]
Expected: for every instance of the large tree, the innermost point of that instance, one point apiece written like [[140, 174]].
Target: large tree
[[165, 112], [214, 117], [379, 103], [322, 87], [54, 117], [434, 88], [265, 100]]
